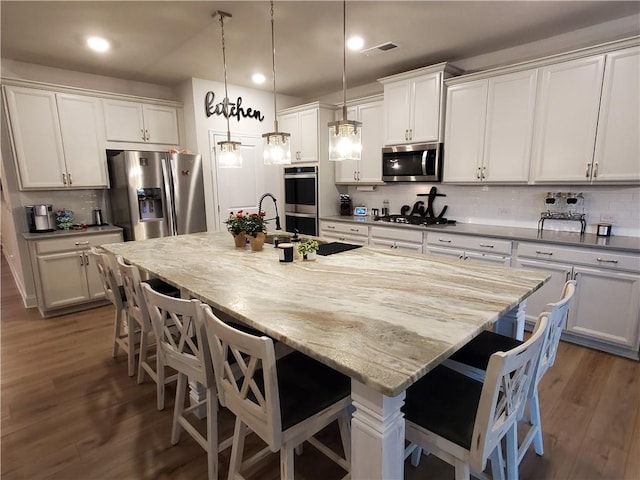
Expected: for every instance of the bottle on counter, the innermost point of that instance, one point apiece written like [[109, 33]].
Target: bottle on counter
[[295, 241], [385, 208]]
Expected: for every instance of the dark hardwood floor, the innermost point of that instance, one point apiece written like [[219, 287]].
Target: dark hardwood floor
[[69, 411]]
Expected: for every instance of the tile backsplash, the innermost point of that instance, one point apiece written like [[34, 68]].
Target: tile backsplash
[[514, 206], [81, 202]]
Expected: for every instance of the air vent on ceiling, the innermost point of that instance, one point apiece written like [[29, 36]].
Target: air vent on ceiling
[[378, 49]]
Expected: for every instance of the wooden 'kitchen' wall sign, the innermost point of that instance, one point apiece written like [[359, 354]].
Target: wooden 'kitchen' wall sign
[[228, 109]]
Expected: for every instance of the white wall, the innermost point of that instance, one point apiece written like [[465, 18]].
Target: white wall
[[198, 126]]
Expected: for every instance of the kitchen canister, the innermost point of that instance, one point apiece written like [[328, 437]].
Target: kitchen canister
[[603, 230], [286, 252]]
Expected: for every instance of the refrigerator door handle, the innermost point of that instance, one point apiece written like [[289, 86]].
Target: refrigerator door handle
[[167, 176]]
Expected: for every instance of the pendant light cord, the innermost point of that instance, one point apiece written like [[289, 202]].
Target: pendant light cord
[[224, 64], [273, 67], [344, 60]]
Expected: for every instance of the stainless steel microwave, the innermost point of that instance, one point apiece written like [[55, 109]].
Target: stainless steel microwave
[[412, 163]]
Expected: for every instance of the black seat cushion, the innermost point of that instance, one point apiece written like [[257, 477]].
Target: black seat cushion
[[306, 387], [444, 402], [163, 287], [477, 352]]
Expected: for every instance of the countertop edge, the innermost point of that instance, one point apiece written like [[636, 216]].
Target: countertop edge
[[28, 236]]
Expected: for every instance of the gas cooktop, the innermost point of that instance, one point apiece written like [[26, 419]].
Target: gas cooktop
[[414, 220]]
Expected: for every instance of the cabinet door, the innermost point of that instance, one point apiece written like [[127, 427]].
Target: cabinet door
[[550, 291], [396, 245], [425, 108], [566, 120], [289, 123], [346, 171], [124, 121], [309, 135], [606, 307], [63, 278], [82, 128], [617, 145], [509, 127], [36, 135], [94, 281], [396, 112], [464, 131], [161, 124], [371, 116]]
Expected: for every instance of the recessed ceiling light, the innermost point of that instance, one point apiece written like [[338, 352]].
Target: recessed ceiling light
[[258, 78], [98, 44], [355, 43]]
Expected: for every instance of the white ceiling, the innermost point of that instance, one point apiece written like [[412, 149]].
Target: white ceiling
[[166, 42]]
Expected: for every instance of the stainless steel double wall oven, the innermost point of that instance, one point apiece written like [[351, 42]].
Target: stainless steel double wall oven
[[301, 199]]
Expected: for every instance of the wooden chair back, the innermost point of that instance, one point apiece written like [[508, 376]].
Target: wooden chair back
[[254, 398], [180, 342], [504, 393], [132, 287], [107, 276]]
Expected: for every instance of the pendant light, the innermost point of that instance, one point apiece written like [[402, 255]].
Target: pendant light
[[344, 135], [229, 155], [276, 145]]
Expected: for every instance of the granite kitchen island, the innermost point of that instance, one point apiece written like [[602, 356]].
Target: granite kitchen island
[[381, 317]]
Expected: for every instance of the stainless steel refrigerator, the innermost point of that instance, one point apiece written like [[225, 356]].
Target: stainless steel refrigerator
[[156, 194]]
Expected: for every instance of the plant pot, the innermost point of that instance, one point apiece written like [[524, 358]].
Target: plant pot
[[257, 242], [239, 239], [309, 256]]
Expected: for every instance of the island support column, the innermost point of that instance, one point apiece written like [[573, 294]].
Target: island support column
[[377, 435], [511, 324]]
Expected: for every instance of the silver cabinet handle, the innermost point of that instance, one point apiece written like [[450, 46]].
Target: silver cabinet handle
[[142, 133], [70, 178], [444, 241], [354, 176], [484, 171], [478, 174], [354, 229], [86, 259], [588, 169], [146, 134], [595, 170], [64, 178], [487, 245], [411, 134], [82, 260], [82, 243], [602, 260], [540, 252], [331, 227]]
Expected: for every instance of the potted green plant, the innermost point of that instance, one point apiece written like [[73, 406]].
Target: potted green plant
[[236, 226], [308, 249], [256, 230]]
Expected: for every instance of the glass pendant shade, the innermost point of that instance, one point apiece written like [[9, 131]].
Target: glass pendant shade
[[345, 142], [229, 155], [277, 148]]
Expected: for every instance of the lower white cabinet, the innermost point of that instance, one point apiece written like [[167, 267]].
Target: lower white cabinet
[[345, 232], [605, 312], [470, 247], [396, 239], [66, 276]]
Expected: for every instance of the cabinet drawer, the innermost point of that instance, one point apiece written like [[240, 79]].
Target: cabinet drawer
[[348, 228], [585, 256], [481, 244], [76, 242], [406, 235]]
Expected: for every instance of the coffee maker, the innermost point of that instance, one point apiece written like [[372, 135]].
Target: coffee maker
[[346, 208], [40, 218]]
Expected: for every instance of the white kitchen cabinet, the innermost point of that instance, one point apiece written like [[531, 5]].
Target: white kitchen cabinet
[[66, 276], [58, 139], [304, 124], [566, 120], [345, 232], [617, 150], [140, 122], [396, 239], [468, 247], [489, 129], [605, 312], [368, 170]]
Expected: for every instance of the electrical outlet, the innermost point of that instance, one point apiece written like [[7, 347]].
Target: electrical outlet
[[608, 217], [504, 211]]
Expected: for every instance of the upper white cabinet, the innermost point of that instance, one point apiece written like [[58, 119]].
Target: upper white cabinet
[[617, 155], [489, 128], [566, 120], [413, 105], [369, 169], [142, 123], [303, 123], [58, 139]]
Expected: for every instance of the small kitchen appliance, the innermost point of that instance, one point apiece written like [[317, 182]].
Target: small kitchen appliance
[[345, 204], [97, 217], [564, 206], [412, 163], [40, 218], [603, 230]]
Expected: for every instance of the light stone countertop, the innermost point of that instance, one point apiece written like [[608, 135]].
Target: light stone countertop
[[590, 240], [384, 318]]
